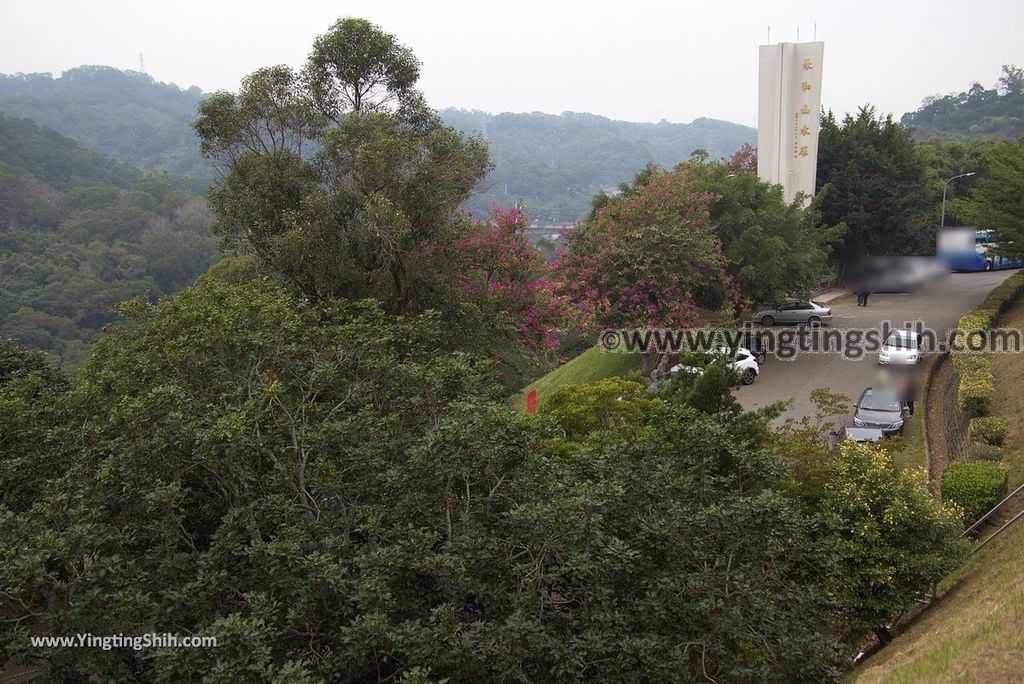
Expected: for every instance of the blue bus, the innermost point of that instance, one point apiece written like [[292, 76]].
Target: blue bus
[[967, 249]]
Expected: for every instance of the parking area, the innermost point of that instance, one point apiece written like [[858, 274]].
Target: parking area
[[939, 306]]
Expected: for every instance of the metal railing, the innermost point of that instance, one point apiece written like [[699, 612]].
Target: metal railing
[[978, 523]]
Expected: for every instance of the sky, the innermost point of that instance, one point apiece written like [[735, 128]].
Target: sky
[[639, 60]]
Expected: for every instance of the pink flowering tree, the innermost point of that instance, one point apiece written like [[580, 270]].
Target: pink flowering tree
[[647, 259], [500, 272], [743, 160]]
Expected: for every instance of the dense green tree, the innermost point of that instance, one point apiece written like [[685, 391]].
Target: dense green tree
[[997, 198], [29, 391], [872, 187], [356, 67], [882, 538], [947, 159], [328, 491], [370, 212], [341, 182], [773, 249]]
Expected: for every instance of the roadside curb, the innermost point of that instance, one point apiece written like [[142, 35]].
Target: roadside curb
[[831, 299]]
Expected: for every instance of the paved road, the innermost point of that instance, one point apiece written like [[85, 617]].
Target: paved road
[[940, 306]]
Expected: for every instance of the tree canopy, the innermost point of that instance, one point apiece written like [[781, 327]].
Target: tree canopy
[[997, 199], [341, 182], [976, 113], [333, 495], [872, 188]]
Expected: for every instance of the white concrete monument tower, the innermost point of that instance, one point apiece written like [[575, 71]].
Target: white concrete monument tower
[[789, 104]]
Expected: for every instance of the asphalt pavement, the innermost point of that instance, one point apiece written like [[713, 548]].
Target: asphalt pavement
[[939, 306]]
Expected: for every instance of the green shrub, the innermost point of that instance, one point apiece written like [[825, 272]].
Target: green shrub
[[975, 487], [986, 452], [977, 385], [1003, 296], [990, 430], [973, 323]]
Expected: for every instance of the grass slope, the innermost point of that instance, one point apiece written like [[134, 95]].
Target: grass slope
[[972, 634], [590, 366]]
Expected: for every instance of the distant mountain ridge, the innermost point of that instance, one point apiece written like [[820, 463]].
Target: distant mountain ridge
[[556, 163], [125, 114], [553, 162]]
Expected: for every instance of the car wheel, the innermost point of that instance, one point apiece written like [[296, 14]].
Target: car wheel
[[814, 320], [767, 320], [748, 376]]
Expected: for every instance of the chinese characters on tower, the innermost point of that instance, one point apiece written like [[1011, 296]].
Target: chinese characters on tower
[[787, 127]]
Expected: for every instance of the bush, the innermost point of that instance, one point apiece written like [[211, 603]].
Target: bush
[[990, 430], [976, 380], [1003, 296], [975, 487], [977, 384], [986, 452]]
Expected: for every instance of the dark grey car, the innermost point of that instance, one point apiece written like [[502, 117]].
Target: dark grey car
[[879, 408]]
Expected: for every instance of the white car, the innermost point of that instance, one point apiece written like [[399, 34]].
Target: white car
[[744, 363], [901, 348]]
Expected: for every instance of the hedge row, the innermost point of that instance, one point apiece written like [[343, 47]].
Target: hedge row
[[975, 487], [989, 430], [1001, 298], [977, 384]]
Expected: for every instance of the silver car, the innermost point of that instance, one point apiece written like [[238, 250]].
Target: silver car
[[794, 311]]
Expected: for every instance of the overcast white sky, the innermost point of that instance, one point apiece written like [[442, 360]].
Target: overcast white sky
[[639, 60]]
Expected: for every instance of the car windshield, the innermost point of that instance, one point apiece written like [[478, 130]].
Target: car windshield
[[880, 400], [900, 341]]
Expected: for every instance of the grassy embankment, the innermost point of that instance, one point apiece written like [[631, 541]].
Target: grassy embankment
[[590, 366]]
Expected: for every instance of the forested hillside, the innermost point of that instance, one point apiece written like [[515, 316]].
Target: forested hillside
[[124, 114], [80, 232], [976, 113], [557, 163]]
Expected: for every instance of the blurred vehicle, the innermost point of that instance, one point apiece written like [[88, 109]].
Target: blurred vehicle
[[879, 408], [970, 249], [894, 274], [862, 434], [743, 362], [901, 348], [794, 311]]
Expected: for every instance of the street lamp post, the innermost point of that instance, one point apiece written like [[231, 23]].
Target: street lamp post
[[942, 223]]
